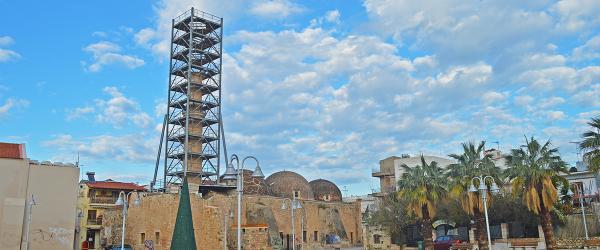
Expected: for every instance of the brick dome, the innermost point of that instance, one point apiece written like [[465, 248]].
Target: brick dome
[[254, 185], [325, 190], [284, 183]]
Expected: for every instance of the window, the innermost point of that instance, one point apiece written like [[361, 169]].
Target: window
[[351, 238], [304, 236], [296, 194], [142, 238], [281, 236], [377, 239], [91, 214], [157, 238], [316, 236]]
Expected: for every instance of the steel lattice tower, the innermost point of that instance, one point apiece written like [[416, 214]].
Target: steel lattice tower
[[193, 121]]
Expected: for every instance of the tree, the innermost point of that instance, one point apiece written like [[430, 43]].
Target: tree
[[423, 186], [391, 215], [591, 145], [533, 171], [471, 163]]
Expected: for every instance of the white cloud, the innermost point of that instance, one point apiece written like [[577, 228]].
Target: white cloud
[[493, 96], [563, 77], [6, 54], [589, 50], [144, 36], [99, 34], [275, 8], [463, 31], [428, 61], [6, 40], [106, 53], [576, 15], [556, 115], [524, 100], [136, 148], [589, 97], [333, 16], [79, 112], [12, 103], [551, 102], [118, 110]]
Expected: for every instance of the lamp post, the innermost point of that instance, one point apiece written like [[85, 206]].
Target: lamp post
[[580, 194], [240, 188], [483, 191], [294, 204], [123, 200]]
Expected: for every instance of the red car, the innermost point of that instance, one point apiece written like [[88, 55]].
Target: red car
[[445, 242]]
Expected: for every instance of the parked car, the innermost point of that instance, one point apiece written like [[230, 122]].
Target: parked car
[[118, 247], [445, 242]]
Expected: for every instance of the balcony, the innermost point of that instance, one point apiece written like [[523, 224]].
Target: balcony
[[107, 200], [94, 223], [383, 192], [379, 173]]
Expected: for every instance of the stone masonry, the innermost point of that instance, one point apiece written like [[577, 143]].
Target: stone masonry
[[153, 222]]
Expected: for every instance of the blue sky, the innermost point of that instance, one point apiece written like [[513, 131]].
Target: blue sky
[[325, 88]]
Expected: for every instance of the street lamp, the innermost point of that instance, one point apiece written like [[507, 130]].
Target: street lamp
[[294, 204], [240, 189], [580, 194], [123, 200], [483, 191]]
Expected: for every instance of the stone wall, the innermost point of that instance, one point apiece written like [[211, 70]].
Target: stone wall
[[254, 236], [211, 216]]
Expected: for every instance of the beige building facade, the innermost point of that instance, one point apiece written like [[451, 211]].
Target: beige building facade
[[37, 201], [390, 170], [99, 219]]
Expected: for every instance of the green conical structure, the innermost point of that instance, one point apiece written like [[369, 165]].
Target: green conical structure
[[183, 234]]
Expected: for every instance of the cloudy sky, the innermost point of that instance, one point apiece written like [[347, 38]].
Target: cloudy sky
[[324, 88]]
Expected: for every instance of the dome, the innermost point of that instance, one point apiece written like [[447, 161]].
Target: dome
[[285, 183], [325, 190], [254, 185]]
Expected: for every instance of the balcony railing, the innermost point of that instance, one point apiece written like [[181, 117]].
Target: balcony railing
[[95, 222], [103, 200]]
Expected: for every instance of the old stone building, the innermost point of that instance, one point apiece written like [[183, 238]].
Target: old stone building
[[266, 216]]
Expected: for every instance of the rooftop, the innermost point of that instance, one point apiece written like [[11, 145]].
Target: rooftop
[[115, 185], [12, 151]]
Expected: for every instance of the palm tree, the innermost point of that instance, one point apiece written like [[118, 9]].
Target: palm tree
[[591, 145], [533, 171], [472, 162], [423, 186]]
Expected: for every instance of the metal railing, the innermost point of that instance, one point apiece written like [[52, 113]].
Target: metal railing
[[198, 13]]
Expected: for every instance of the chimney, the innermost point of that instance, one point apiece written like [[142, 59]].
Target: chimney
[[90, 176]]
